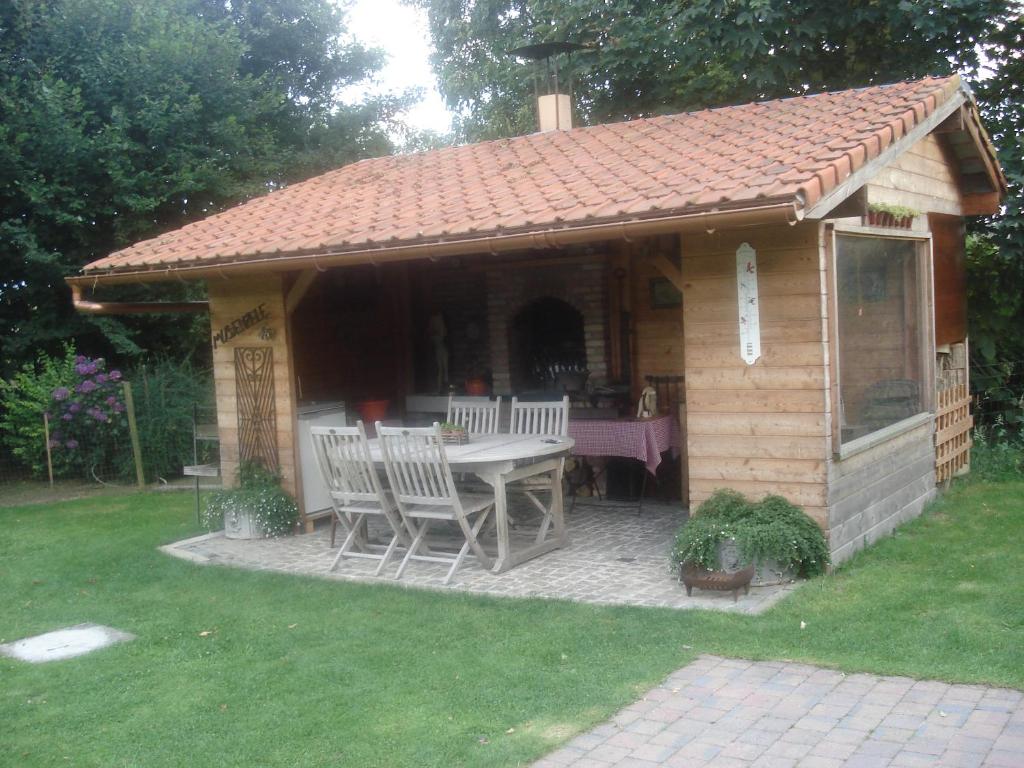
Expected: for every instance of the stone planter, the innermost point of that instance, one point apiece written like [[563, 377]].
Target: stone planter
[[766, 573], [242, 525]]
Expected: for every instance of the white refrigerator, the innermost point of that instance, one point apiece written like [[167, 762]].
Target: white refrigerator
[[314, 491]]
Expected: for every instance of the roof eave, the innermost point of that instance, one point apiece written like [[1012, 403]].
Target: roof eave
[[783, 210]]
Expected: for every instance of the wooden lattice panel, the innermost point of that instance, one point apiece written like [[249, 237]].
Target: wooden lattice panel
[[257, 417], [953, 423]]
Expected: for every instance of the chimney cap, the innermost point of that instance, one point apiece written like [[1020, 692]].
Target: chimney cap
[[539, 51]]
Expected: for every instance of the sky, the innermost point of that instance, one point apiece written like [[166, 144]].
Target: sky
[[403, 33]]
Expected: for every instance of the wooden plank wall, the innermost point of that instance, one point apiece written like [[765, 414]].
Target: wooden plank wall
[[921, 178], [872, 492], [230, 300], [658, 341], [760, 428]]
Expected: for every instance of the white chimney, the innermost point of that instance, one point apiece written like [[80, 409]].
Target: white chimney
[[554, 112]]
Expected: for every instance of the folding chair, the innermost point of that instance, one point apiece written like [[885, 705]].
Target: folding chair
[[477, 414], [355, 490], [424, 490], [540, 418]]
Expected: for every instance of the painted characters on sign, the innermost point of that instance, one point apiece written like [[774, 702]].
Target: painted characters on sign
[[241, 325], [749, 311]]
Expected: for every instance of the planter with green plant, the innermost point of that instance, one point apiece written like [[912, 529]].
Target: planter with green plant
[[729, 533], [886, 215], [256, 509]]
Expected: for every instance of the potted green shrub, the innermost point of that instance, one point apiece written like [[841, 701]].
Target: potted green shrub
[[256, 509], [886, 215], [728, 533]]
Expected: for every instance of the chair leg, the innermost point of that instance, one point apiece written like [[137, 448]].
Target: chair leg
[[334, 527], [421, 534], [346, 545], [387, 555], [471, 542]]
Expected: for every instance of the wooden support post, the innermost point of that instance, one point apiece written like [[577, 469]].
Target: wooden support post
[[133, 429], [49, 456]]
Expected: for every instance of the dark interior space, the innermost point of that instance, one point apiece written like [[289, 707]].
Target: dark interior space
[[545, 340]]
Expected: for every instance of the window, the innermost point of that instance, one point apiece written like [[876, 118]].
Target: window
[[881, 333]]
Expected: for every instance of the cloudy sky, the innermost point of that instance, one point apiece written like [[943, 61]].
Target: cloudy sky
[[402, 32]]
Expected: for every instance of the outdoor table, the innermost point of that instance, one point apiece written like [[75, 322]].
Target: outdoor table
[[641, 439], [501, 459]]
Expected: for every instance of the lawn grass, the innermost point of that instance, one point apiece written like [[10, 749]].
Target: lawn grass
[[236, 668]]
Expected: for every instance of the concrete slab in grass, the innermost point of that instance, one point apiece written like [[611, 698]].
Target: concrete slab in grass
[[64, 643]]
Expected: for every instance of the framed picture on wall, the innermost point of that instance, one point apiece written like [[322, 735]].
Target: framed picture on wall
[[664, 295]]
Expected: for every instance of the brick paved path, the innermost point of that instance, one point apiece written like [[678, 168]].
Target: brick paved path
[[615, 556], [726, 713]]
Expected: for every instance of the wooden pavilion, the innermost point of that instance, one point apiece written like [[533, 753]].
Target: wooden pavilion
[[798, 262]]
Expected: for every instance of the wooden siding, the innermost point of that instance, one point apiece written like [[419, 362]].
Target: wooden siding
[[760, 428], [229, 300], [872, 492], [922, 178], [657, 333]]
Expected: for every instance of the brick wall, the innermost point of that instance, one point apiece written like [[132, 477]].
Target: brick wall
[[582, 284]]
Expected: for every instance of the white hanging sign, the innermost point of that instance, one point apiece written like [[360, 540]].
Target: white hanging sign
[[746, 294]]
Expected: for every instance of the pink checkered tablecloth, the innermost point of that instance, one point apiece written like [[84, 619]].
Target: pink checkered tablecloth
[[641, 439]]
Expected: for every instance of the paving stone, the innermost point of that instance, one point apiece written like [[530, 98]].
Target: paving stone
[[590, 569], [741, 730]]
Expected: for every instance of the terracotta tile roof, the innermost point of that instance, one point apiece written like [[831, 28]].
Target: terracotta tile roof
[[794, 150]]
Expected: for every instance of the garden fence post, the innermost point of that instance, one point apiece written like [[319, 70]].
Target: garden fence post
[[49, 456], [133, 429]]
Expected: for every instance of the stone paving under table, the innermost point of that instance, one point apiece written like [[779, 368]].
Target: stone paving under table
[[724, 713], [615, 556]]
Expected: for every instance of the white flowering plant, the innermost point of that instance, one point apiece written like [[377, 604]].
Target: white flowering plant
[[771, 529], [259, 496]]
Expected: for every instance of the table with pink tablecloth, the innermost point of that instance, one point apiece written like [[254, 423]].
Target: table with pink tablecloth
[[641, 439]]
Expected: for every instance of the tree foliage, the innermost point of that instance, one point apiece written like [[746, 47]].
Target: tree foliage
[[119, 120], [652, 57]]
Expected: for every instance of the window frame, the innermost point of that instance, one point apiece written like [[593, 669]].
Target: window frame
[[926, 310]]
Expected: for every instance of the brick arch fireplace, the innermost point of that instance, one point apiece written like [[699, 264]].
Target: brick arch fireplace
[[578, 283]]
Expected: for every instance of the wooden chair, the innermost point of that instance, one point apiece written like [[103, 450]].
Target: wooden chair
[[425, 492], [540, 418], [355, 490], [478, 415]]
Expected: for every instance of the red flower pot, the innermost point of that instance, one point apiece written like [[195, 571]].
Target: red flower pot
[[373, 410]]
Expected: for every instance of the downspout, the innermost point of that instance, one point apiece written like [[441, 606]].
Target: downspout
[[134, 308]]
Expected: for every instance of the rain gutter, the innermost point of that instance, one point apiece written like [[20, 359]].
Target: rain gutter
[[770, 213]]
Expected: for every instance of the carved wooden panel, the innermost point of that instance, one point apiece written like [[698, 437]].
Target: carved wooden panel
[[257, 418]]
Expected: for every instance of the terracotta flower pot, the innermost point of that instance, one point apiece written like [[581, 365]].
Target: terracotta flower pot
[[476, 387], [373, 410]]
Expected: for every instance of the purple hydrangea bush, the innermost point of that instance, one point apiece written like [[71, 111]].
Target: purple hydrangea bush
[[87, 415]]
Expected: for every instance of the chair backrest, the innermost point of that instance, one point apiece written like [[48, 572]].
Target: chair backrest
[[343, 456], [478, 415], [542, 418], [417, 466]]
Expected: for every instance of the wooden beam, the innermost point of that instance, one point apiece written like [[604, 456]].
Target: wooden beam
[[981, 204], [668, 269], [855, 205], [299, 288]]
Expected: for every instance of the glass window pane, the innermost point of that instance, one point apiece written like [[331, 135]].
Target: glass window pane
[[879, 333]]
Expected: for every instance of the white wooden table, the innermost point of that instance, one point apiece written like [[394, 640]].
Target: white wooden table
[[501, 459]]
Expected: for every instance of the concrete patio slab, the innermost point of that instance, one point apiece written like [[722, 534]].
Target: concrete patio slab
[[746, 714], [615, 557], [64, 643]]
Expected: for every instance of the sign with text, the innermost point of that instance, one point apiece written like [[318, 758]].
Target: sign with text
[[749, 310], [240, 325]]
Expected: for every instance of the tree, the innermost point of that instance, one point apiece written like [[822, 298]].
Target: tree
[[654, 57], [120, 120]]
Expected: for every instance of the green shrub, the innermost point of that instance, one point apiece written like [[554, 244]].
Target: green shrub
[[259, 494], [997, 454], [772, 529], [165, 391]]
